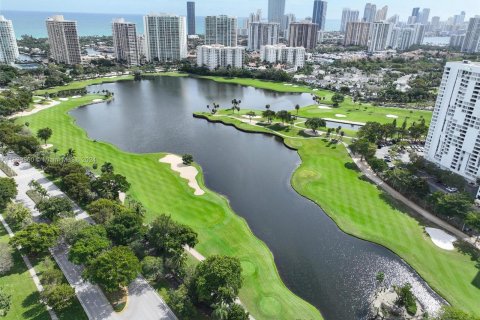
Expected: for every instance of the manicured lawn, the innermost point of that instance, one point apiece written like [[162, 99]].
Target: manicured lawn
[[352, 111], [19, 284], [162, 190], [360, 209], [85, 83]]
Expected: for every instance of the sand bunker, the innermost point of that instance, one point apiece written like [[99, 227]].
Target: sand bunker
[[338, 115], [186, 172], [63, 99], [46, 146], [97, 100], [311, 133], [76, 97], [441, 239], [254, 117], [37, 108], [324, 107], [392, 116]]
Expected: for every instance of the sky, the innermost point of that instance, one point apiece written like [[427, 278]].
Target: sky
[[240, 8]]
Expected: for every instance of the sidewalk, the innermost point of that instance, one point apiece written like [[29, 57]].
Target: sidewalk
[[368, 172], [143, 300]]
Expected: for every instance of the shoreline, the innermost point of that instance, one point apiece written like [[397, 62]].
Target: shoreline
[[333, 217]]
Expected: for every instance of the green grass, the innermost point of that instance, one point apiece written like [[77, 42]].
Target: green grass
[[354, 111], [361, 209], [162, 190], [75, 311], [75, 85], [19, 284]]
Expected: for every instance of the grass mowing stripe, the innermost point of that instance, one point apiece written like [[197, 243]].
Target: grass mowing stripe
[[162, 190], [453, 274]]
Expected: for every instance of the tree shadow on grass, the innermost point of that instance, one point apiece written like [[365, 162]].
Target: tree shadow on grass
[[474, 254], [351, 166], [35, 309]]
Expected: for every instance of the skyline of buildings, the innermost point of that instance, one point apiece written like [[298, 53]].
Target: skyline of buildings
[[8, 43], [63, 40], [261, 34], [280, 53], [276, 10], [303, 34]]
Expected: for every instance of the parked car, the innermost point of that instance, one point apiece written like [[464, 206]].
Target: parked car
[[451, 189]]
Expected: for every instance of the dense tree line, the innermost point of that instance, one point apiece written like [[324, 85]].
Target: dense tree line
[[269, 74], [14, 100]]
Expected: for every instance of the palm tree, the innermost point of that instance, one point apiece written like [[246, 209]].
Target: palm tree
[[267, 107], [297, 107], [70, 155], [251, 114], [220, 311]]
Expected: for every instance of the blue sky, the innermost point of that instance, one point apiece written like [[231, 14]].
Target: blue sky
[[302, 8]]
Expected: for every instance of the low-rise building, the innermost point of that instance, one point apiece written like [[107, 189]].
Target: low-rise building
[[219, 56], [291, 56]]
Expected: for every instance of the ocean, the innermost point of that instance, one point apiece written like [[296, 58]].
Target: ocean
[[90, 24]]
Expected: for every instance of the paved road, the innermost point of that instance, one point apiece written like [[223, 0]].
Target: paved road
[[143, 301], [365, 168]]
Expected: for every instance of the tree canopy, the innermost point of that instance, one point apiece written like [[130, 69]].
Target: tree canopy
[[36, 238], [113, 269]]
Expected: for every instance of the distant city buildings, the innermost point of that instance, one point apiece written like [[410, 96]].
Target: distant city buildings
[[320, 13], [165, 37], [280, 53], [382, 14], [456, 41], [285, 25], [471, 43], [219, 56], [8, 42], [221, 30], [125, 42], [262, 34], [63, 40], [276, 10], [357, 34], [370, 12], [380, 36], [191, 23], [453, 141], [303, 34], [348, 15], [403, 38]]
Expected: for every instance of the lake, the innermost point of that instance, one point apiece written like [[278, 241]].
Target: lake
[[332, 270]]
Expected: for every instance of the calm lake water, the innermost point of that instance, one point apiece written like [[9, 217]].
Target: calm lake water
[[330, 269]]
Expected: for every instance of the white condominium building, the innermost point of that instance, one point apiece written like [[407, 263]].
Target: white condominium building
[[125, 42], [380, 36], [280, 53], [262, 34], [406, 37], [221, 30], [63, 40], [219, 56], [348, 15], [453, 141], [8, 42], [471, 43], [165, 37]]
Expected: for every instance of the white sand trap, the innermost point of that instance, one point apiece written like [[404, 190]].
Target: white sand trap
[[63, 99], [324, 107], [338, 115], [76, 97], [441, 239], [295, 86], [315, 90], [46, 146], [186, 172], [392, 116], [254, 117], [288, 84], [97, 100], [311, 133], [36, 108]]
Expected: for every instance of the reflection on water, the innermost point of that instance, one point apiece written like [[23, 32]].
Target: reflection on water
[[330, 269]]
